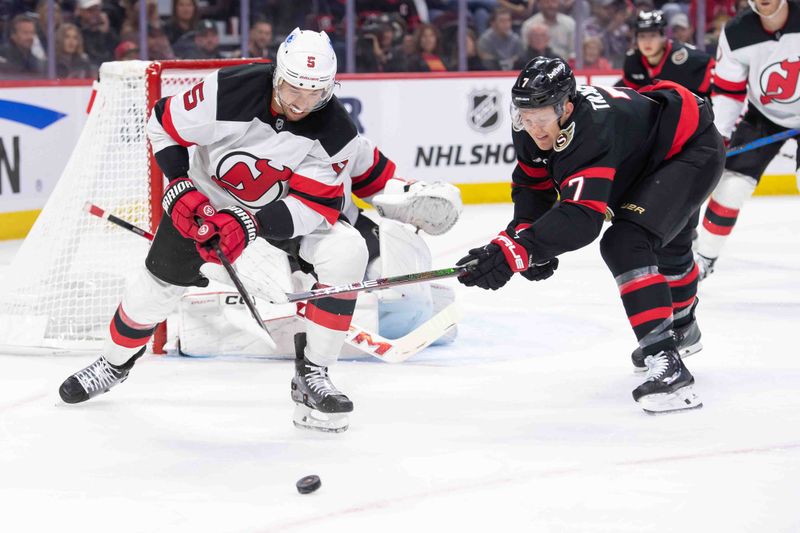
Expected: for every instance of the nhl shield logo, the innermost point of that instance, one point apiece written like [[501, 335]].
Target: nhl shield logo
[[484, 114]]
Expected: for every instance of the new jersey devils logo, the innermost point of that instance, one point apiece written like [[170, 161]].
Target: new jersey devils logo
[[252, 181], [779, 82]]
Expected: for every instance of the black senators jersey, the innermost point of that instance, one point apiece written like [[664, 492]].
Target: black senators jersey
[[294, 176], [612, 141], [763, 66], [681, 63]]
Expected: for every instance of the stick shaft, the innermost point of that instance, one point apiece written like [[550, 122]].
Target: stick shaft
[[248, 301], [758, 143], [380, 283], [102, 213]]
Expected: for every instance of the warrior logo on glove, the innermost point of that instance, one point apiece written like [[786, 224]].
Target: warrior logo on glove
[[253, 181]]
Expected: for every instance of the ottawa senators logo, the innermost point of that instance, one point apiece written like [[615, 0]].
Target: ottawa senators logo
[[251, 181], [564, 138], [779, 82]]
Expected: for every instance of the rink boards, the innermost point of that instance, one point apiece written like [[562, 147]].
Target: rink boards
[[452, 127]]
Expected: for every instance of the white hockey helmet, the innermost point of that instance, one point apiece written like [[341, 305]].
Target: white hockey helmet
[[306, 60]]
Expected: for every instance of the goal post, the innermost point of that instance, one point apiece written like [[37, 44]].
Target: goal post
[[67, 278]]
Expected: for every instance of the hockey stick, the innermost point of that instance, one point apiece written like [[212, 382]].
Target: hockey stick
[[389, 350], [758, 143], [248, 301]]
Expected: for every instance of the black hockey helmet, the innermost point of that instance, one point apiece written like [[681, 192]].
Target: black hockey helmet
[[650, 21], [542, 82]]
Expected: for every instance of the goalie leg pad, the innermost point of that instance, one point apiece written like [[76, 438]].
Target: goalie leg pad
[[431, 207], [722, 211]]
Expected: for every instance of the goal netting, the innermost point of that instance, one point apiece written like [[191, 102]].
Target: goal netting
[[67, 278]]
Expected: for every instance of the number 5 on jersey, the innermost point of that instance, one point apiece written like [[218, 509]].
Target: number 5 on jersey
[[193, 97]]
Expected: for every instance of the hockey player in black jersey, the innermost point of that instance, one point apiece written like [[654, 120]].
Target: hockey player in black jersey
[[656, 57], [646, 162]]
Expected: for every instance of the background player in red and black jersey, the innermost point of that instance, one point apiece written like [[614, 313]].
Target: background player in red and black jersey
[[658, 58], [647, 160]]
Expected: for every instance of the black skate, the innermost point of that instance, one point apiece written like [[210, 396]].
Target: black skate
[[669, 385], [687, 340], [95, 379], [320, 405]]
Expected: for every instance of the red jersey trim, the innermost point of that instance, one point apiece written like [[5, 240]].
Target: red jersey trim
[[365, 174], [301, 183], [533, 172], [640, 283], [685, 280], [704, 86], [730, 86], [716, 229], [630, 84], [607, 173], [594, 205], [654, 71], [169, 125], [722, 211], [689, 118], [328, 213], [124, 341]]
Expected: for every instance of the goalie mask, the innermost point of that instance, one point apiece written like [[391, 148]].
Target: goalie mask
[[305, 71]]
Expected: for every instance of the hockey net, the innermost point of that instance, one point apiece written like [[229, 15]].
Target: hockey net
[[69, 274]]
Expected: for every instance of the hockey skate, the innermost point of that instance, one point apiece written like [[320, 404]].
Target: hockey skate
[[669, 385], [687, 340], [95, 379], [705, 266], [320, 405]]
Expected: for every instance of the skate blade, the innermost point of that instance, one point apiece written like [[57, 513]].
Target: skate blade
[[683, 399], [308, 418]]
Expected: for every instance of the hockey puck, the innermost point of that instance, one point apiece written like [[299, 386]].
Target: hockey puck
[[308, 484]]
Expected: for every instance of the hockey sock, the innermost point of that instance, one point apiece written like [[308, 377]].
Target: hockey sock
[[127, 337], [628, 250], [722, 211], [683, 288], [327, 323]]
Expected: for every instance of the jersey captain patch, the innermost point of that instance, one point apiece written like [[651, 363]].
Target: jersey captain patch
[[253, 181]]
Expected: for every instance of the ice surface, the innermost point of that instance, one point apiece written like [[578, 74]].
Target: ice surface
[[526, 423]]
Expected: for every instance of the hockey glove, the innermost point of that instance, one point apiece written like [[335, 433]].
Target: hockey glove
[[233, 226], [490, 270], [541, 271], [186, 206]]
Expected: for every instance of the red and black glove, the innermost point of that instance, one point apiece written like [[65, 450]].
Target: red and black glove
[[537, 271], [233, 226], [495, 263], [186, 206]]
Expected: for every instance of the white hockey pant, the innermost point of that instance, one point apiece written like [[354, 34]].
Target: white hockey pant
[[339, 256]]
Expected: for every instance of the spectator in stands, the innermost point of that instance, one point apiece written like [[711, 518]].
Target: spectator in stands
[[521, 10], [126, 51], [538, 41], [71, 60], [400, 54], [562, 27], [428, 56], [260, 41], [99, 40], [609, 22], [130, 27], [185, 16], [474, 62], [499, 47], [680, 29], [205, 42], [375, 48], [158, 46], [18, 56], [593, 54], [39, 48]]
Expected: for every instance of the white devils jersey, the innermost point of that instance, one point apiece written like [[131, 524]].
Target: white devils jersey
[[764, 66], [246, 155]]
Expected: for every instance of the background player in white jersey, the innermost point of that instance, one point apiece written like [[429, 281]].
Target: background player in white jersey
[[271, 151], [758, 60]]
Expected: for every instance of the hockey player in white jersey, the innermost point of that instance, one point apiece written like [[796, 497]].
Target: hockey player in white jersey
[[271, 152], [758, 62]]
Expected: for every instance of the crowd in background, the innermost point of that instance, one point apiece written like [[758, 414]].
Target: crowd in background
[[392, 35]]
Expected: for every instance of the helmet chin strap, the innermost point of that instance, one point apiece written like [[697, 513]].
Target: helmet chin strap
[[752, 5]]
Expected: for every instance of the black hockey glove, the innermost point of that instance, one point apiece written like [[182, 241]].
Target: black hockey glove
[[496, 262], [541, 271], [490, 271]]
